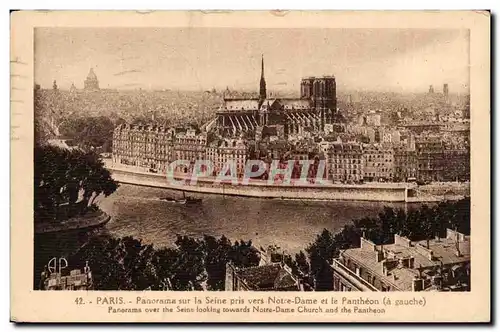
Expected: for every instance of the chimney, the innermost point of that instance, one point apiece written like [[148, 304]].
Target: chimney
[[402, 241], [301, 286], [411, 262], [367, 245], [417, 284], [437, 281], [454, 235], [424, 251], [384, 268], [457, 251], [264, 257], [457, 237]]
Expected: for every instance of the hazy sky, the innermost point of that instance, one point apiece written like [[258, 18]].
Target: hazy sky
[[202, 58]]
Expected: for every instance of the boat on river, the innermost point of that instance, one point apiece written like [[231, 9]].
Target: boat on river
[[173, 200], [182, 201]]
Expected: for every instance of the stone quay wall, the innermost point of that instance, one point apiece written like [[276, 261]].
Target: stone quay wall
[[260, 189]]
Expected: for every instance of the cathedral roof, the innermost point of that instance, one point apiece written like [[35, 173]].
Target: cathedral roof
[[298, 104], [286, 104], [245, 104]]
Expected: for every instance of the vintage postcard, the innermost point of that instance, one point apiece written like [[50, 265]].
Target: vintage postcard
[[250, 166]]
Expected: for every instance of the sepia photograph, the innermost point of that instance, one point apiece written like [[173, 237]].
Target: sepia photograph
[[263, 159], [224, 159]]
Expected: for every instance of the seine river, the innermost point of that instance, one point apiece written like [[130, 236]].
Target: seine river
[[292, 225]]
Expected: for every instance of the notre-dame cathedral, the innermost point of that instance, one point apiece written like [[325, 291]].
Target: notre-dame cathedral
[[313, 111]]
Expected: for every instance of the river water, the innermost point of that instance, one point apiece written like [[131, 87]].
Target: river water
[[292, 225]]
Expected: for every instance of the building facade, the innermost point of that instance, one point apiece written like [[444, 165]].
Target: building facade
[[153, 148], [405, 164], [128, 145], [434, 265], [345, 163], [378, 162], [227, 151], [189, 145], [457, 163], [430, 158]]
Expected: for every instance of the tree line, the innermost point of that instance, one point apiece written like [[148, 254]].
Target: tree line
[[193, 264], [200, 263], [90, 132], [67, 182]]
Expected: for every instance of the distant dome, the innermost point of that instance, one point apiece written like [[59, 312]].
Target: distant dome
[[91, 83], [92, 76]]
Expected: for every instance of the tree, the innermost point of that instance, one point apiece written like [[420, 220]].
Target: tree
[[460, 219], [302, 264], [117, 263], [217, 253], [89, 132], [98, 179], [347, 238], [165, 262], [60, 175], [321, 253], [428, 223], [50, 171], [190, 270], [136, 258], [244, 254], [96, 132]]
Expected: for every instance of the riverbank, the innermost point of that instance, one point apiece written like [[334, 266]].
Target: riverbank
[[381, 192], [86, 222], [328, 192]]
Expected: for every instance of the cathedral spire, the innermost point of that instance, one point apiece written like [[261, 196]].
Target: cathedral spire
[[262, 67], [262, 91]]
